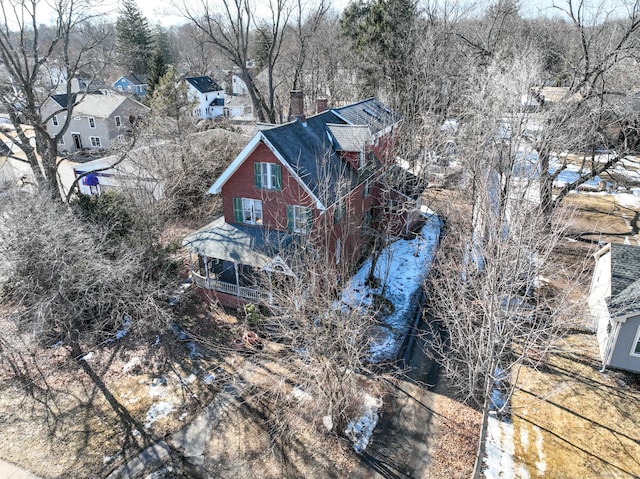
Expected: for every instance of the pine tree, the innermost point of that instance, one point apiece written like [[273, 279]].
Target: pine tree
[[134, 42], [157, 70], [160, 60], [171, 101]]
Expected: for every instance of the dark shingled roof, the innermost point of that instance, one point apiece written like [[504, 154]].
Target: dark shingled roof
[[236, 242], [625, 277], [136, 79], [369, 112], [203, 84], [309, 147], [309, 151], [63, 99]]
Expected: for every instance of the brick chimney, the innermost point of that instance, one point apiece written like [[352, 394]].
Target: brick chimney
[[322, 104], [296, 105]]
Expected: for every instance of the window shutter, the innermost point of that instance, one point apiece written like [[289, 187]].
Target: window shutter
[[290, 221], [309, 213], [237, 210], [278, 171], [257, 174]]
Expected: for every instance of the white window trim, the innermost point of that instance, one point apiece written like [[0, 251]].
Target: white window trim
[[99, 142], [635, 342], [267, 176], [54, 120], [250, 204], [118, 121], [300, 216], [92, 122]]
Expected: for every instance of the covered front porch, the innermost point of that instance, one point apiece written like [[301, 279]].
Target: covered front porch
[[227, 260]]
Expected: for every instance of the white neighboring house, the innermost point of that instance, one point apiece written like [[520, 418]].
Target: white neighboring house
[[208, 95], [15, 171], [614, 302], [135, 172], [238, 86], [99, 120]]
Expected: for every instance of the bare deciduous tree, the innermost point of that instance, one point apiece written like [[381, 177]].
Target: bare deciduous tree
[[69, 280], [232, 28], [36, 58]]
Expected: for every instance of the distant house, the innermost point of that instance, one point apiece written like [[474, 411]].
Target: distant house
[[98, 120], [238, 86], [132, 84], [208, 95], [311, 183], [614, 301], [15, 171], [133, 173]]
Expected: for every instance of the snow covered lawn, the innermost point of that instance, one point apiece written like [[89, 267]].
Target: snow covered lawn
[[401, 270]]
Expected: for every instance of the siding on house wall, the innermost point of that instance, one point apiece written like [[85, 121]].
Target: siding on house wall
[[622, 357], [105, 128], [325, 231], [80, 125], [383, 146], [274, 203]]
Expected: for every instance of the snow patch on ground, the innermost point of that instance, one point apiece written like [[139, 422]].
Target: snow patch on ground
[[158, 387], [361, 430], [157, 411], [131, 364], [541, 463], [627, 200], [403, 266], [499, 450]]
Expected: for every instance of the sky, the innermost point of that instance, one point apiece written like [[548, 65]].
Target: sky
[[161, 12]]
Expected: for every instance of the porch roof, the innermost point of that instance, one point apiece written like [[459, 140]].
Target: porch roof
[[249, 245]]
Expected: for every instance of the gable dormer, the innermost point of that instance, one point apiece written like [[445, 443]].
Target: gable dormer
[[351, 142]]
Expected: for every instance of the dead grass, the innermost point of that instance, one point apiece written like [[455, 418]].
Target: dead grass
[[56, 421], [573, 421], [599, 217]]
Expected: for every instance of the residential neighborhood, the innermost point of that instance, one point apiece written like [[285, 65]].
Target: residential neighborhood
[[373, 239]]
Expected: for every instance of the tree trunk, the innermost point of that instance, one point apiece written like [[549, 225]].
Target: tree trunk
[[546, 186], [482, 441]]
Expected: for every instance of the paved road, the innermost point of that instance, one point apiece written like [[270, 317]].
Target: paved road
[[9, 471]]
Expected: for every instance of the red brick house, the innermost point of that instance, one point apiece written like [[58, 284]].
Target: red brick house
[[310, 184]]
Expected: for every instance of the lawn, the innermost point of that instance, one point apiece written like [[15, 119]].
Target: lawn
[[571, 420]]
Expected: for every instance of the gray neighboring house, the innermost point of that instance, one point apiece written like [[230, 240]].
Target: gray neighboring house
[[99, 120], [614, 301]]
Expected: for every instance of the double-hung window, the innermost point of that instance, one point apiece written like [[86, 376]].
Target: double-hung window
[[54, 120], [92, 122], [299, 218], [268, 176], [246, 210], [635, 346], [118, 121], [340, 211], [95, 142]]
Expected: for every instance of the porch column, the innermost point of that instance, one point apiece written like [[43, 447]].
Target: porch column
[[235, 268], [206, 271]]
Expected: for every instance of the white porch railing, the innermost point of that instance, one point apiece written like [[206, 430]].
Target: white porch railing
[[232, 289]]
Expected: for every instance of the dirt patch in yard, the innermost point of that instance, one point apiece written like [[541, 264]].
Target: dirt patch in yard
[[573, 421]]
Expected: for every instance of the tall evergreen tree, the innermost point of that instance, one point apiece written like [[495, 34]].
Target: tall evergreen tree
[[157, 70], [383, 32], [134, 41], [171, 101], [160, 60]]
